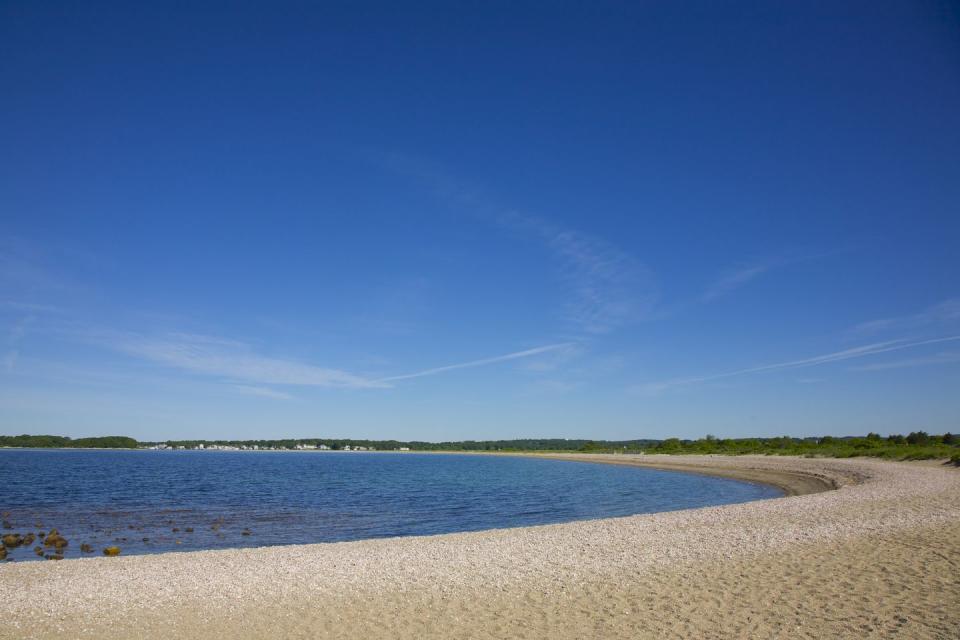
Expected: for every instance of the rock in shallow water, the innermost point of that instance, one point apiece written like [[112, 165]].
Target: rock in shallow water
[[54, 539], [111, 551], [12, 540]]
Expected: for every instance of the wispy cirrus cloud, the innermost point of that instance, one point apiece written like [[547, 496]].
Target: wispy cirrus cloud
[[732, 280], [553, 361], [248, 372], [837, 356], [747, 271], [947, 357], [10, 360], [608, 288], [944, 312], [262, 392], [27, 270], [14, 337], [527, 353], [231, 360]]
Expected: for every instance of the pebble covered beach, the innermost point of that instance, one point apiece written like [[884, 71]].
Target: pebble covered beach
[[863, 548]]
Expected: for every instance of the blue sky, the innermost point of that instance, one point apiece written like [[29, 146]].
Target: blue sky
[[479, 220]]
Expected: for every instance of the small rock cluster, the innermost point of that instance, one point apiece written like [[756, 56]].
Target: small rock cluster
[[54, 544]]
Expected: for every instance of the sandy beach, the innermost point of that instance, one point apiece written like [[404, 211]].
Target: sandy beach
[[877, 557]]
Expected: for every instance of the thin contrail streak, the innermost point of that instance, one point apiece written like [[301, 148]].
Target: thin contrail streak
[[847, 354], [479, 363]]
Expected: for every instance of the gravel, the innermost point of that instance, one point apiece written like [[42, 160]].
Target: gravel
[[84, 597]]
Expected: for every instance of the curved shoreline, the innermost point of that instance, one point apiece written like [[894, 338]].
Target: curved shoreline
[[792, 483], [878, 557]]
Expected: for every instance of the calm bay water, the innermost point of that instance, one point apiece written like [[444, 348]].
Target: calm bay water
[[122, 497]]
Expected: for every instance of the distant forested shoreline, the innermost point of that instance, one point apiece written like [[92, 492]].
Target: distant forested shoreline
[[917, 445], [63, 442]]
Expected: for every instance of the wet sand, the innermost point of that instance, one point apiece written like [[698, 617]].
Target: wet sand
[[879, 557], [791, 482]]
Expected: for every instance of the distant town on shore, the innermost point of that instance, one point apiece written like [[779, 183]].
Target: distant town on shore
[[300, 446]]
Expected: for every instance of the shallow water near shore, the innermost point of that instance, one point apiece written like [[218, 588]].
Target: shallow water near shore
[[158, 501]]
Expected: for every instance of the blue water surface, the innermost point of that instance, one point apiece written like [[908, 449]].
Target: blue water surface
[[135, 499]]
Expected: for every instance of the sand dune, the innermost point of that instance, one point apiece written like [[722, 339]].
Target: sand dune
[[879, 557]]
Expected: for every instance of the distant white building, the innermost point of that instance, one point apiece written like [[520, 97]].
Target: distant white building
[[404, 449], [323, 447]]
